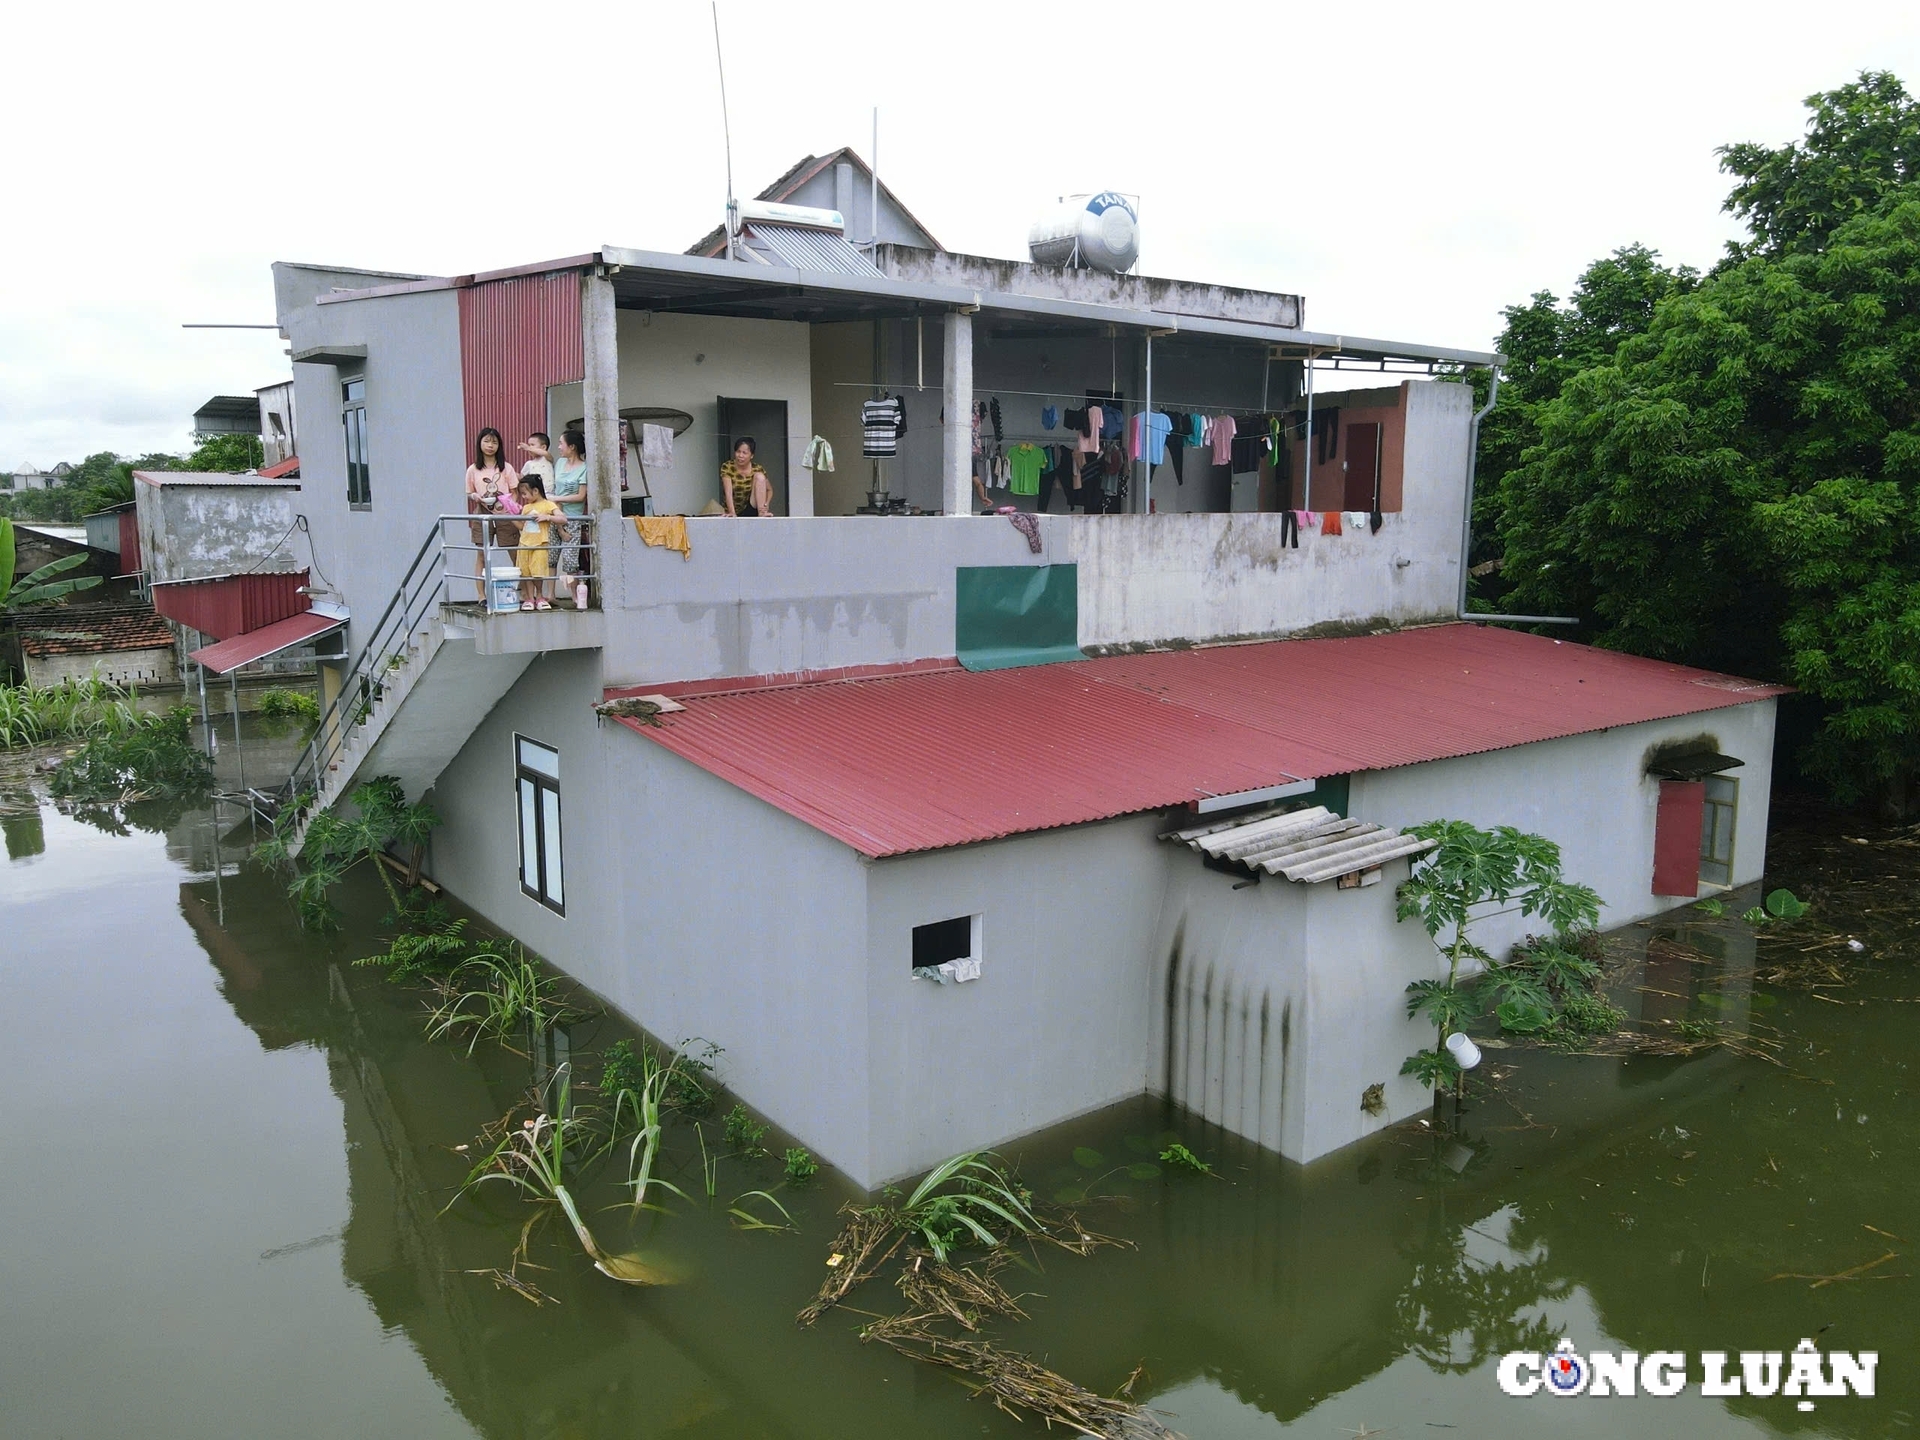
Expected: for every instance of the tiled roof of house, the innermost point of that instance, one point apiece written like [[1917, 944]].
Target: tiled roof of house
[[82, 630]]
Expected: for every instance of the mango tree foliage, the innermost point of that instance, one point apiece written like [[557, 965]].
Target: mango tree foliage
[[1740, 487]]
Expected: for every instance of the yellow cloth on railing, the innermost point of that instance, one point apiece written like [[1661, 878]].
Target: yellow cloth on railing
[[667, 530]]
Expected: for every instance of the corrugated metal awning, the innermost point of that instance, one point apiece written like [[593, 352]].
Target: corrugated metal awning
[[805, 248], [267, 640], [1307, 846]]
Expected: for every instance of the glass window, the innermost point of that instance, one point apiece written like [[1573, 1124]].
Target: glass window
[[942, 941], [353, 418], [537, 787], [1716, 830]]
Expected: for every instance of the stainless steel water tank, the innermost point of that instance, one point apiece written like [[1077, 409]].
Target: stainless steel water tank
[[1100, 231]]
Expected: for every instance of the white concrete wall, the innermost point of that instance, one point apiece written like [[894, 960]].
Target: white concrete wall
[[1161, 578], [692, 907], [122, 667], [1590, 795], [687, 362], [416, 442], [776, 596], [1058, 1022]]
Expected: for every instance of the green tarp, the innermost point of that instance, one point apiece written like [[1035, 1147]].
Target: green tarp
[[1008, 615]]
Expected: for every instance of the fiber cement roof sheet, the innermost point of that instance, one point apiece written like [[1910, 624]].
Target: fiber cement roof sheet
[[244, 649], [901, 763]]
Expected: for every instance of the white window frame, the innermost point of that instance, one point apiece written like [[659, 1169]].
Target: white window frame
[[1715, 813]]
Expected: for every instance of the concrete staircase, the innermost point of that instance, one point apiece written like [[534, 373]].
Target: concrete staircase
[[429, 696], [427, 676]]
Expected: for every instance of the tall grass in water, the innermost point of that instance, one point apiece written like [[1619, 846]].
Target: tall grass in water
[[957, 1201], [657, 1082], [497, 991], [71, 710], [537, 1158]]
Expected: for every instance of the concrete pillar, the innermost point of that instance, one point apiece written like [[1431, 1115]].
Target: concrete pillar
[[600, 393], [956, 437]]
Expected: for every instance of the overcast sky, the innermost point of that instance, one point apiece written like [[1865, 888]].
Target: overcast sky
[[1409, 168]]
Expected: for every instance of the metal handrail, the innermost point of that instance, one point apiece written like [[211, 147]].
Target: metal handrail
[[424, 585]]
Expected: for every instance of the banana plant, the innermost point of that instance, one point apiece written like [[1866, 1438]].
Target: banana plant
[[40, 587]]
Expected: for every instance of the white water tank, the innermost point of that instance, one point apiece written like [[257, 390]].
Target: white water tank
[[1101, 232]]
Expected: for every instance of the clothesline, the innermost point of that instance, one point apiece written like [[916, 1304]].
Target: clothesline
[[1134, 406]]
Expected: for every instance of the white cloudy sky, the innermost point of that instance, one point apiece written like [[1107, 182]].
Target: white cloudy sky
[[1410, 168]]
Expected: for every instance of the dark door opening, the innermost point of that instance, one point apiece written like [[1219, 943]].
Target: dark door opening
[[765, 423], [1362, 479]]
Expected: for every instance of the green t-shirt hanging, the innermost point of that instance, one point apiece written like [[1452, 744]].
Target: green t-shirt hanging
[[1024, 464]]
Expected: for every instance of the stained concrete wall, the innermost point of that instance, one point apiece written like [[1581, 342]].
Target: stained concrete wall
[[1276, 1005], [197, 531], [1161, 578], [1056, 1025], [123, 667], [776, 596], [687, 362], [417, 448], [1589, 794]]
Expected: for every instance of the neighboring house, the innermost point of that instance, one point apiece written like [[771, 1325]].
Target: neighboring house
[[129, 645], [27, 476], [840, 181], [1086, 770], [277, 433]]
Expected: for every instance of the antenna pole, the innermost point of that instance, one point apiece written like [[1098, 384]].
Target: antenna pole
[[873, 202], [726, 131]]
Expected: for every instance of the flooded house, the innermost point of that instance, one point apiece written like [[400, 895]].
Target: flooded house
[[947, 832]]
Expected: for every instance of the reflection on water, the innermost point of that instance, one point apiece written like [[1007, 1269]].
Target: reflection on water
[[233, 1215]]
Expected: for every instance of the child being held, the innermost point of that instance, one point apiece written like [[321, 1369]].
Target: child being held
[[534, 556]]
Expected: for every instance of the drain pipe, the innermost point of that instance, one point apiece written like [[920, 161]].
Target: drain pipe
[[1466, 526]]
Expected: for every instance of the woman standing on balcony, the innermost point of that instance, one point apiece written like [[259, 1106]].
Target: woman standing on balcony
[[570, 493], [489, 479], [743, 483]]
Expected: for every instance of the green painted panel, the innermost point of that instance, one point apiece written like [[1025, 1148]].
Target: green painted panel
[[1008, 615], [1332, 791]]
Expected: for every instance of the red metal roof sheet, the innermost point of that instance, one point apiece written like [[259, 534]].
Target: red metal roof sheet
[[946, 757], [267, 640]]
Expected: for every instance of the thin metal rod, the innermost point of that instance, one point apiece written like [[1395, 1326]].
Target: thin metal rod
[[726, 125], [1146, 435], [239, 759], [1306, 483], [228, 327], [873, 171]]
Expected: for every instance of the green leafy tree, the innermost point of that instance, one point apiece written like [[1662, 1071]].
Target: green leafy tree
[[1862, 145], [1740, 487], [227, 454]]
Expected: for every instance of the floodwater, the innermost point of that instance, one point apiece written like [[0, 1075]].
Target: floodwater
[[229, 1162]]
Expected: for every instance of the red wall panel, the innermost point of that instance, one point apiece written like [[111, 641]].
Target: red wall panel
[[1676, 837], [517, 337], [129, 542], [233, 604]]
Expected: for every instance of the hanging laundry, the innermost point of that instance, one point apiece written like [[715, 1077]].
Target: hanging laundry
[[1220, 436], [1326, 428], [978, 411], [1305, 519], [1243, 453], [1090, 437], [1289, 530], [1176, 452], [1024, 523], [656, 447], [1024, 462], [1147, 436], [819, 457], [1049, 417], [999, 433], [1355, 518], [881, 424], [1330, 523], [1111, 418]]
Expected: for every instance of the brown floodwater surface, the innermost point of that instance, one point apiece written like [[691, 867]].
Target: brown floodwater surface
[[229, 1204]]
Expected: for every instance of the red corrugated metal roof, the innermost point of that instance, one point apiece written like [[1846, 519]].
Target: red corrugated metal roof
[[229, 605], [267, 640], [947, 757]]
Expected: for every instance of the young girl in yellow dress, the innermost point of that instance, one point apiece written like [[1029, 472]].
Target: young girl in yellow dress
[[536, 533]]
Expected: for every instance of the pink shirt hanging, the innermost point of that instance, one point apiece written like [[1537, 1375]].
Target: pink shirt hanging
[[1220, 431]]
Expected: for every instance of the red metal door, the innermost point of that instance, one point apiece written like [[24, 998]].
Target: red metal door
[[1676, 837], [1362, 479]]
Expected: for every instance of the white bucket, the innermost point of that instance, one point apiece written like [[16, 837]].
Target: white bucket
[[503, 588], [1465, 1053]]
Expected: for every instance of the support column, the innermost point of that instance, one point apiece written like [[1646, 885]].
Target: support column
[[600, 394], [956, 433]]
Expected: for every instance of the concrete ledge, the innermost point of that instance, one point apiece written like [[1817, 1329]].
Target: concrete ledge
[[522, 632]]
